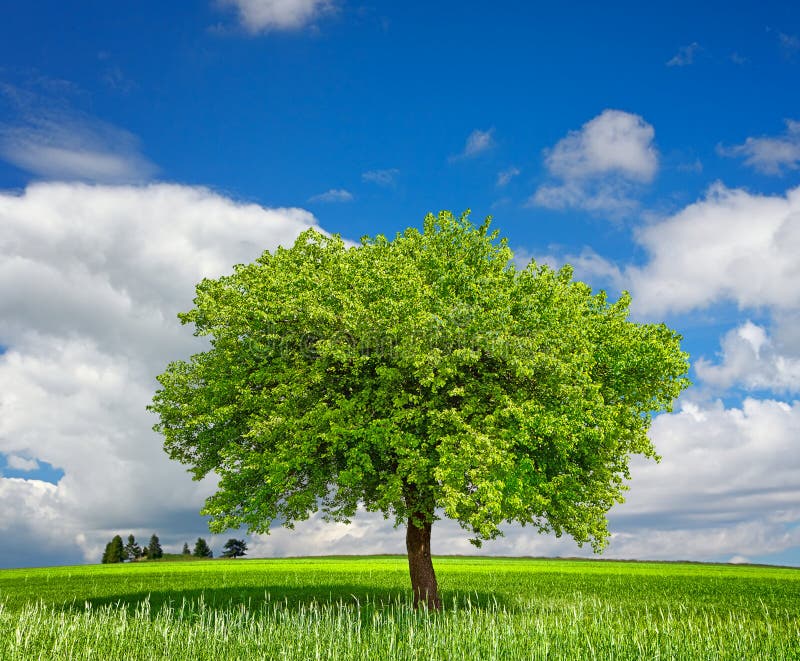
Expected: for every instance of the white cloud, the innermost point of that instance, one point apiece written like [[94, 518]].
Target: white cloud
[[478, 142], [267, 15], [769, 155], [333, 195], [723, 471], [51, 140], [30, 152], [614, 141], [685, 56], [504, 177], [750, 358], [16, 462], [597, 166], [730, 246], [91, 278], [381, 177]]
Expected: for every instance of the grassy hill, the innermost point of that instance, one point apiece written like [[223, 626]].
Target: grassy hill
[[359, 607], [173, 557]]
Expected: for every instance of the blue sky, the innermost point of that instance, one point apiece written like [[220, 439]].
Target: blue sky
[[655, 146]]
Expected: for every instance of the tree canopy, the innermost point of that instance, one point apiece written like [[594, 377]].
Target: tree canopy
[[419, 377], [234, 548], [201, 549], [114, 551], [132, 550], [154, 550]]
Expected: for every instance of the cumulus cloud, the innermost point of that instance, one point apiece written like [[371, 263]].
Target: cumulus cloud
[[272, 15], [597, 167], [750, 358], [769, 155], [333, 195], [91, 278], [731, 245], [614, 141], [685, 56], [728, 482], [52, 140], [478, 142], [381, 177]]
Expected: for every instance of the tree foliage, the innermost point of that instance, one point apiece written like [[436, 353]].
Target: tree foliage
[[114, 551], [154, 550], [132, 550], [418, 377], [234, 548], [201, 549]]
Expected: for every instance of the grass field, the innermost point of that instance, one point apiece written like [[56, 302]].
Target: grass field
[[359, 608]]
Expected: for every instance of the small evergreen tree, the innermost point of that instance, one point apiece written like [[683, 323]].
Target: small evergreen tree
[[154, 548], [132, 550], [234, 548], [186, 550], [114, 552], [201, 549]]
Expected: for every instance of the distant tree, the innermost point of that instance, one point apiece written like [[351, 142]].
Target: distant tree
[[132, 550], [186, 550], [154, 548], [114, 552], [234, 548], [201, 549]]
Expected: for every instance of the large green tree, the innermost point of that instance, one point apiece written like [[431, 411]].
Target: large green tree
[[419, 377]]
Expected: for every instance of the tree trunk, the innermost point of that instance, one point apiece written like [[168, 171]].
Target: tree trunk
[[423, 578]]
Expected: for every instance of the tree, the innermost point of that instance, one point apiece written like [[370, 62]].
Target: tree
[[421, 377], [234, 548], [114, 551], [132, 550], [186, 550], [201, 549], [154, 548]]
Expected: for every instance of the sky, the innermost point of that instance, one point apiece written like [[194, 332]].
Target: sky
[[145, 146]]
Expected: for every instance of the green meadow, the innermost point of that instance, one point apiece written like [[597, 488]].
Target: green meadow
[[359, 608]]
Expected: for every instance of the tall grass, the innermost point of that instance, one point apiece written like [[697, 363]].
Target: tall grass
[[495, 609]]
